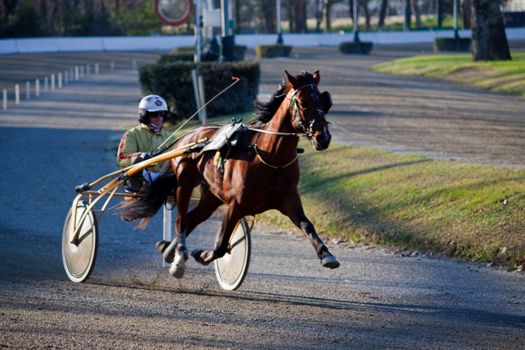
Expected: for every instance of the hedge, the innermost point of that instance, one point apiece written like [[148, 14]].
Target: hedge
[[186, 53], [271, 51], [451, 44], [352, 47], [173, 82]]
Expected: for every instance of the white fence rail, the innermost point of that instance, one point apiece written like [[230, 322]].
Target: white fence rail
[[151, 43]]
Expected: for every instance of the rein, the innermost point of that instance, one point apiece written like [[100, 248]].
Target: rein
[[278, 133], [277, 167]]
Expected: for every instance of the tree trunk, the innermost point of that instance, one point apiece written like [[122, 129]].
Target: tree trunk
[[291, 22], [466, 13], [407, 14], [318, 15], [417, 13], [489, 40], [382, 14], [299, 9], [327, 9], [267, 8], [8, 8], [351, 10], [439, 14], [368, 15]]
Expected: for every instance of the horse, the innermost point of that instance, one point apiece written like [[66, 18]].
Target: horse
[[262, 176]]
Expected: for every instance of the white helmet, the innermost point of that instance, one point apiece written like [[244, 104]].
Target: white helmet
[[149, 104]]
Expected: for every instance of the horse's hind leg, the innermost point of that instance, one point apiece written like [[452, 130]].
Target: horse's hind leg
[[293, 208]]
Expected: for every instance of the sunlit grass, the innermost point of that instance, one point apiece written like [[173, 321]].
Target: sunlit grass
[[366, 195], [506, 77]]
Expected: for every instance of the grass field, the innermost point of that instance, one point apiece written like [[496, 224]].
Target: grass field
[[411, 202], [506, 77]]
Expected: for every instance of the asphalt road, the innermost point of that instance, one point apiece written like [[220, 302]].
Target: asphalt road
[[376, 299]]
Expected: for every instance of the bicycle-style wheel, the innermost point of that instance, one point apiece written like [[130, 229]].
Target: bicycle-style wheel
[[79, 257], [232, 268]]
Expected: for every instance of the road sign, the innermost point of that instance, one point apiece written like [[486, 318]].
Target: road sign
[[173, 12]]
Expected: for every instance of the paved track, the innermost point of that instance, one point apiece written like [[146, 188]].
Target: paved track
[[438, 119], [376, 299]]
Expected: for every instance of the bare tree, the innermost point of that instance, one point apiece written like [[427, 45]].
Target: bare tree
[[407, 15], [327, 14], [489, 40], [319, 14], [466, 13], [298, 16], [267, 13], [363, 4], [417, 13], [7, 8], [383, 9]]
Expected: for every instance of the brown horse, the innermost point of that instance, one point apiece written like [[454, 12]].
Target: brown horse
[[262, 176]]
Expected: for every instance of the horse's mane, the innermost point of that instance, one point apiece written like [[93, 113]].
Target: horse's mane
[[265, 111]]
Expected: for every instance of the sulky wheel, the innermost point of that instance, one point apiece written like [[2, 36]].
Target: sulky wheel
[[79, 257], [232, 268]]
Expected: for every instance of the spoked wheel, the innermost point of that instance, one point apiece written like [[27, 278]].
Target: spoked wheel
[[79, 257], [232, 268]]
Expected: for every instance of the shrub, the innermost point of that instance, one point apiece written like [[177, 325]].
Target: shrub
[[451, 44], [173, 82], [186, 53], [271, 51], [352, 47]]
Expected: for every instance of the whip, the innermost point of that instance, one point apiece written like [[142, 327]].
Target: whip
[[161, 149]]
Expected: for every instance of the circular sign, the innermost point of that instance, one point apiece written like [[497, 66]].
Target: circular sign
[[173, 12]]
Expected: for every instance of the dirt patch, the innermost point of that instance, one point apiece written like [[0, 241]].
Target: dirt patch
[[469, 73]]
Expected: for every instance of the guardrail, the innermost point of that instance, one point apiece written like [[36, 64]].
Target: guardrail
[[154, 43]]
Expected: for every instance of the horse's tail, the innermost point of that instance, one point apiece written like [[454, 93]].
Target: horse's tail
[[149, 200]]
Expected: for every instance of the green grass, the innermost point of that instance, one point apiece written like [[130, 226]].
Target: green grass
[[507, 77], [411, 202]]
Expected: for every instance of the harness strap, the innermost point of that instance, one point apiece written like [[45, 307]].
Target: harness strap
[[277, 167], [279, 133]]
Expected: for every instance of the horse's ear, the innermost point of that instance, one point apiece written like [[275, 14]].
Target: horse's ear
[[291, 79], [317, 77], [326, 101]]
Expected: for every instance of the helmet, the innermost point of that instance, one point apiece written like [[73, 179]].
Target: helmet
[[150, 104]]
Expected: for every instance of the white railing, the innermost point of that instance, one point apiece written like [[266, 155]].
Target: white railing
[[153, 43]]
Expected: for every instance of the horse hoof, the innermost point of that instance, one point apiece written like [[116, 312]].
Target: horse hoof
[[330, 262], [168, 255], [178, 266], [197, 255]]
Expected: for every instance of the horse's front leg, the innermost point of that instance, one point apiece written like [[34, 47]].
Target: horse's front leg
[[293, 208], [230, 221]]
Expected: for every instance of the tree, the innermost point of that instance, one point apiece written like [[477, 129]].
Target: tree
[[297, 16], [363, 4], [489, 40], [466, 13], [407, 14], [383, 9], [417, 13], [267, 11]]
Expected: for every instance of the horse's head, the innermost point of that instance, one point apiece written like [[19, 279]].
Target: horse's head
[[308, 108]]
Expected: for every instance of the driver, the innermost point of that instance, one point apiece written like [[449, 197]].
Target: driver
[[137, 143]]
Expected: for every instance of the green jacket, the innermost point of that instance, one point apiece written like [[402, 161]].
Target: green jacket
[[137, 140]]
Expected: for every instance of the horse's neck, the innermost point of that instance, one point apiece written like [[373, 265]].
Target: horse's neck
[[280, 123]]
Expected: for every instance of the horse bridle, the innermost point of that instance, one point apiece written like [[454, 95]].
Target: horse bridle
[[295, 108]]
